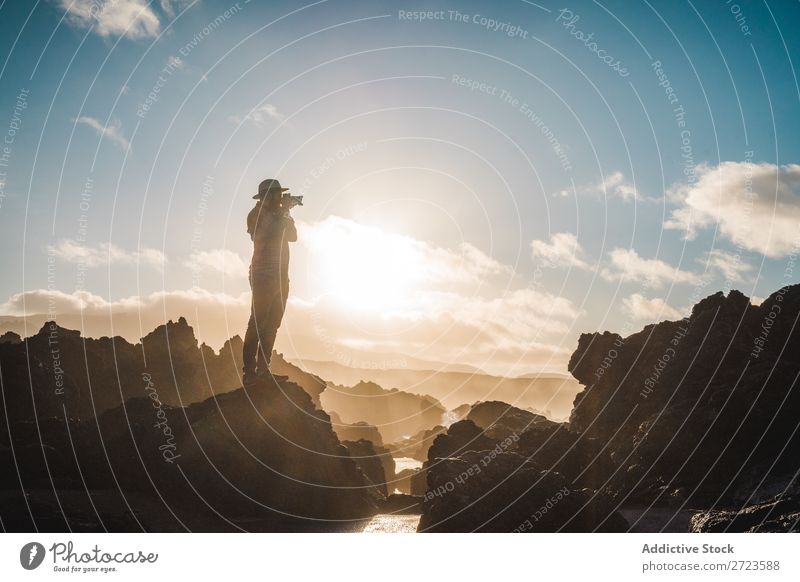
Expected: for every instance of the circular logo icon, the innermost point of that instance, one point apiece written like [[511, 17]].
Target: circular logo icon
[[31, 555]]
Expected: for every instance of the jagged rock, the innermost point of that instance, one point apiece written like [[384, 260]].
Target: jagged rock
[[419, 482], [507, 493], [582, 459], [262, 458], [87, 376], [10, 338], [499, 419], [478, 483], [463, 435], [375, 462], [697, 410], [781, 514]]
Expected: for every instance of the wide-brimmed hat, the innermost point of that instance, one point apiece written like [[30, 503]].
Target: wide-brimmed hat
[[267, 186]]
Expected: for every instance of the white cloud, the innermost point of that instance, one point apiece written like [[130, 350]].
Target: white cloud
[[106, 254], [132, 18], [756, 206], [222, 261], [111, 132], [641, 308], [729, 265], [563, 250], [627, 266], [173, 7], [614, 184], [260, 116]]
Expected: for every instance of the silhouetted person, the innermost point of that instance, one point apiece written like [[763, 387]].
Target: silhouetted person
[[271, 230]]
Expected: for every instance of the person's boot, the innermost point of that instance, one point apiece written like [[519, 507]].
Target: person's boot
[[249, 377]]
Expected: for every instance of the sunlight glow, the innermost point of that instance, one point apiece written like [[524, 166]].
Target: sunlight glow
[[365, 268]]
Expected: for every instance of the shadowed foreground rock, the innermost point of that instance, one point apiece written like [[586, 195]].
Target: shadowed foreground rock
[[375, 462], [261, 458], [701, 411], [478, 483], [781, 514]]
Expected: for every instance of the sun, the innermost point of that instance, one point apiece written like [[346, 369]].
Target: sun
[[364, 268]]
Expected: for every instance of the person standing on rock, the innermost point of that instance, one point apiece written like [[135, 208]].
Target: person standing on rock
[[271, 229]]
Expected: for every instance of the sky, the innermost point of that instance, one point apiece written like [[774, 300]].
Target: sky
[[483, 181]]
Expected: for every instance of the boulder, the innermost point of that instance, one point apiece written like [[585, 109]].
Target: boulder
[[499, 419], [477, 483], [508, 493]]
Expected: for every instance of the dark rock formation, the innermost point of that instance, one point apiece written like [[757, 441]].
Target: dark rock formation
[[508, 493], [780, 514], [59, 372], [419, 482], [88, 376], [512, 481], [262, 458], [499, 418], [463, 435], [699, 410], [10, 338], [375, 462]]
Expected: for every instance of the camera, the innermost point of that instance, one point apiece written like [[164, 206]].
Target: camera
[[288, 201]]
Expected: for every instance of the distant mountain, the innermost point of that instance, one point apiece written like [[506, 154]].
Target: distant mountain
[[548, 375], [388, 361], [394, 413], [550, 393]]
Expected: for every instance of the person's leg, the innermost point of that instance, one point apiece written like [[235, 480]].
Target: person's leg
[[259, 314], [250, 345], [268, 328]]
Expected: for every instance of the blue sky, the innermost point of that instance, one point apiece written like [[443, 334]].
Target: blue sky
[[523, 189]]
